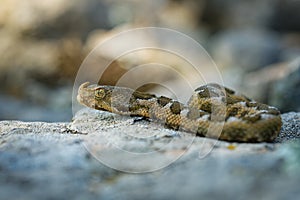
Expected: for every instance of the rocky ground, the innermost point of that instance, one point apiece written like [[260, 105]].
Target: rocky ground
[[103, 156], [100, 155], [44, 44]]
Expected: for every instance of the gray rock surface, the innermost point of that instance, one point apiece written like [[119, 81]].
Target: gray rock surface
[[78, 160], [285, 92], [276, 85], [246, 50]]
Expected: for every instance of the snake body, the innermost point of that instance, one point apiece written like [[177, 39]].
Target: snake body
[[213, 111]]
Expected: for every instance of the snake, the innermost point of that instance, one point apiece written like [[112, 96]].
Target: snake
[[213, 111]]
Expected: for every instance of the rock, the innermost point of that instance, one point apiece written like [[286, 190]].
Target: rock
[[277, 85], [41, 51], [67, 159], [164, 66], [41, 103], [285, 92], [53, 20], [285, 16], [245, 49], [218, 14], [291, 127]]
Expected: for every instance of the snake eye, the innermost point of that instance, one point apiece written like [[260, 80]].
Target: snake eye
[[100, 93]]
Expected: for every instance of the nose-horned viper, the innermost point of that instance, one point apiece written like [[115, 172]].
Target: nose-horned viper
[[240, 118]]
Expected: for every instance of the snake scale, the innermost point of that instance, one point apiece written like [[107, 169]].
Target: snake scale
[[210, 107]]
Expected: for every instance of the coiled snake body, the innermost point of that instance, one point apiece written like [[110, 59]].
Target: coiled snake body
[[213, 111]]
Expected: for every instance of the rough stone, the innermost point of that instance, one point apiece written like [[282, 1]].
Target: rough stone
[[276, 85], [291, 127], [246, 49], [51, 20], [41, 160]]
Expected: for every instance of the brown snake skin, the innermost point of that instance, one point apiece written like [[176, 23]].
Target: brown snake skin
[[213, 111]]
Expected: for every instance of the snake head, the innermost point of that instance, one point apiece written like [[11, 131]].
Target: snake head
[[108, 98], [95, 96]]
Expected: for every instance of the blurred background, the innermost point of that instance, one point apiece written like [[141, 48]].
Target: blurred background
[[255, 43]]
